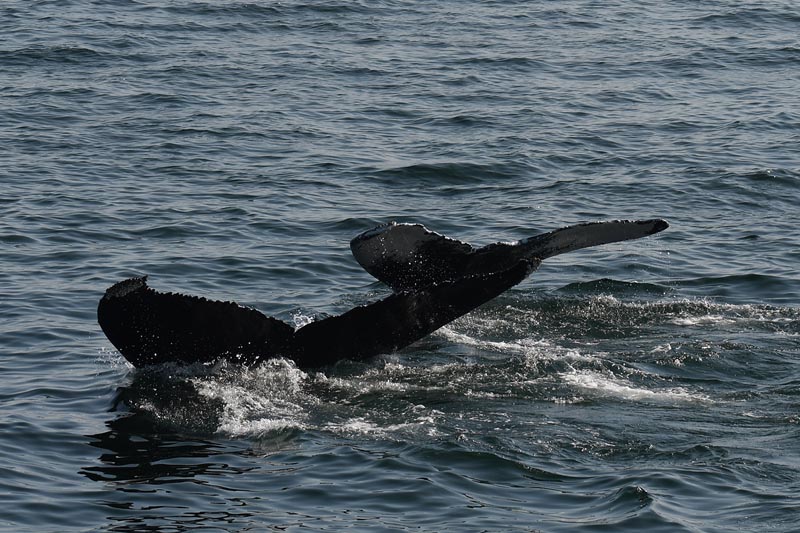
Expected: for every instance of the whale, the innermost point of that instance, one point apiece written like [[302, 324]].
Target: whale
[[434, 280]]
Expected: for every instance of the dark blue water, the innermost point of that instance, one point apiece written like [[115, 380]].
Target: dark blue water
[[232, 149]]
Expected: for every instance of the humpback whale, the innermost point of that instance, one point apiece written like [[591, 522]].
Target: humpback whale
[[434, 279]]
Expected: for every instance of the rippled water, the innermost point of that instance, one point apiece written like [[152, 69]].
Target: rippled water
[[232, 149]]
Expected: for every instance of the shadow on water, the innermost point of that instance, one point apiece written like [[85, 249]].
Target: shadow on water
[[150, 444], [168, 434], [163, 468], [134, 451]]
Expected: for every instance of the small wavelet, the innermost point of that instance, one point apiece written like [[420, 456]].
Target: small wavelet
[[620, 288], [52, 54], [440, 174]]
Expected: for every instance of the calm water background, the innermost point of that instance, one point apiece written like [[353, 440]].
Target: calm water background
[[232, 149]]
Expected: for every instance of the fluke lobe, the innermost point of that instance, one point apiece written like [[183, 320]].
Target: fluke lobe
[[435, 280]]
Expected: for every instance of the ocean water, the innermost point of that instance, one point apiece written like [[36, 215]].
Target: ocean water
[[231, 149]]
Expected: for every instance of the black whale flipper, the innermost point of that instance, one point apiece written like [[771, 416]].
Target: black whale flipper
[[399, 319], [410, 257], [150, 327]]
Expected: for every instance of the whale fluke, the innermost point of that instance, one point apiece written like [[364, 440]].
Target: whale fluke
[[436, 280], [410, 256]]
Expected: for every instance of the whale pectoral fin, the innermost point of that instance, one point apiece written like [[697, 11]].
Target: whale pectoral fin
[[399, 319], [409, 256], [150, 327]]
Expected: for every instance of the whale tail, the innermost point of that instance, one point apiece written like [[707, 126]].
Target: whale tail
[[436, 280]]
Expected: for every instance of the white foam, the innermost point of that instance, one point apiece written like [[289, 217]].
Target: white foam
[[363, 386], [484, 395], [257, 428], [531, 349], [301, 319], [273, 397], [258, 400], [701, 320], [601, 384], [362, 426], [111, 357]]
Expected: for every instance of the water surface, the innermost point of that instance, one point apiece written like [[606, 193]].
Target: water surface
[[232, 149]]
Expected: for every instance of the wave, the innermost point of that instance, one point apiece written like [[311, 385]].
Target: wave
[[55, 54], [750, 286], [619, 288], [440, 174]]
